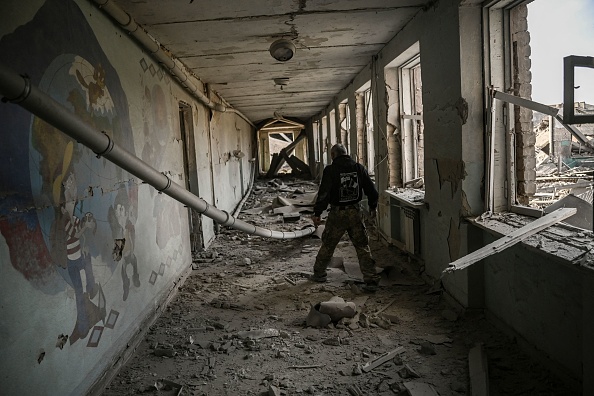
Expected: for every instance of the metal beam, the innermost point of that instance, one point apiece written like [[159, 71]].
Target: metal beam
[[529, 104]]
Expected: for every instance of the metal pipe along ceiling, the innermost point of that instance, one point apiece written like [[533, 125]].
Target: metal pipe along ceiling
[[154, 48], [18, 89]]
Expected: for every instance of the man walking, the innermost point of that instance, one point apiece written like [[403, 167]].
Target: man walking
[[342, 187]]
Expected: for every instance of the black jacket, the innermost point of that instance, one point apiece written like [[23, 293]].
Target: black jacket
[[343, 183]]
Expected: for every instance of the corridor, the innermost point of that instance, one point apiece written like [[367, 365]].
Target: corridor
[[242, 284]]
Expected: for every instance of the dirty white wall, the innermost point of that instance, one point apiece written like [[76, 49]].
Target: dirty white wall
[[226, 132], [70, 305], [202, 135]]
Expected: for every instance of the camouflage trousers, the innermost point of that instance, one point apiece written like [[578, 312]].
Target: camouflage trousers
[[338, 222]]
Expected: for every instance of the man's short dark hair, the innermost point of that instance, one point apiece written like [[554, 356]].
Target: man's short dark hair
[[338, 149]]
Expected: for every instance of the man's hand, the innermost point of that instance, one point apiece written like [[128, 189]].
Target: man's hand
[[317, 220], [373, 214]]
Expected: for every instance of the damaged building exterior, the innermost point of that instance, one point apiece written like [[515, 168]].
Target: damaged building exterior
[[92, 252]]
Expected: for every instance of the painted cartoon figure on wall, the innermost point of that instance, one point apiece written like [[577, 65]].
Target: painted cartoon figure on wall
[[95, 87], [75, 225], [58, 194], [122, 217], [71, 250]]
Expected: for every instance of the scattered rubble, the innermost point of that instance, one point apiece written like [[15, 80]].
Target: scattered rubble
[[243, 327]]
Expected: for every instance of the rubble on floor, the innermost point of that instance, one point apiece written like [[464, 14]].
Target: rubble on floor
[[238, 326]]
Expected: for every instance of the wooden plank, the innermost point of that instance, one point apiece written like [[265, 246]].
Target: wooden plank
[[420, 389], [478, 372], [529, 104], [367, 367], [510, 240]]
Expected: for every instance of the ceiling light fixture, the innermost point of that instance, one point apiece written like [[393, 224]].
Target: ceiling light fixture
[[282, 50]]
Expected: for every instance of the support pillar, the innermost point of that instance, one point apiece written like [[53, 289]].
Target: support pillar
[[361, 138]]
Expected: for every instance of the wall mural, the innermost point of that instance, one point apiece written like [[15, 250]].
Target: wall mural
[[69, 217]]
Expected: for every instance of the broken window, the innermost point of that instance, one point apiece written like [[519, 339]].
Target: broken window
[[411, 106], [325, 142], [365, 141], [369, 131], [316, 140], [406, 154], [564, 163], [332, 125], [510, 155], [344, 122], [533, 157]]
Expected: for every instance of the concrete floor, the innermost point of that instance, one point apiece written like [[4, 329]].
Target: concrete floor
[[245, 283]]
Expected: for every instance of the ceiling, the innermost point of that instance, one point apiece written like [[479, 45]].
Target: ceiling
[[226, 44]]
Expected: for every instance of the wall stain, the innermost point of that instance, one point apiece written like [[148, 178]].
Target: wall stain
[[462, 108], [449, 170]]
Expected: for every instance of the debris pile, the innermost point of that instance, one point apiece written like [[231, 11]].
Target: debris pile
[[240, 324], [564, 166]]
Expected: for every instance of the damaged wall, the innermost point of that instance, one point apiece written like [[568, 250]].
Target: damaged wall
[[88, 252], [452, 127], [226, 135], [522, 85], [543, 301]]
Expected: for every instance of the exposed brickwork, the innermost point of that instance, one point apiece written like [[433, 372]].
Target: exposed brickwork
[[522, 78], [393, 129], [361, 138]]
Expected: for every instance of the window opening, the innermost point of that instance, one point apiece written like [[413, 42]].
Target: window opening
[[369, 132], [316, 140], [333, 129], [564, 156], [411, 107], [325, 141], [361, 150], [344, 122]]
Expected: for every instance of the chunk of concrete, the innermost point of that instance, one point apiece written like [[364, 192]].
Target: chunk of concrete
[[337, 308], [273, 391], [317, 319], [257, 334]]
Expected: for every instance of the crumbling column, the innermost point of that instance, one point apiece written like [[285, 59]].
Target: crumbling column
[[361, 138], [394, 129], [522, 78]]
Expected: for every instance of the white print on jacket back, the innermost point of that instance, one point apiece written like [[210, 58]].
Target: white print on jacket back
[[349, 187]]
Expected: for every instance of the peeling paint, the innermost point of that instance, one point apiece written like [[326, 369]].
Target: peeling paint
[[454, 239], [462, 108], [452, 171], [312, 42], [466, 210], [62, 338], [40, 356]]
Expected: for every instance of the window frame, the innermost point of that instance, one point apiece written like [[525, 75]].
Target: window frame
[[501, 179]]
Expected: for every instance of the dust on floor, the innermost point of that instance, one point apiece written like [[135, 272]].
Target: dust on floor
[[238, 324], [200, 345]]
